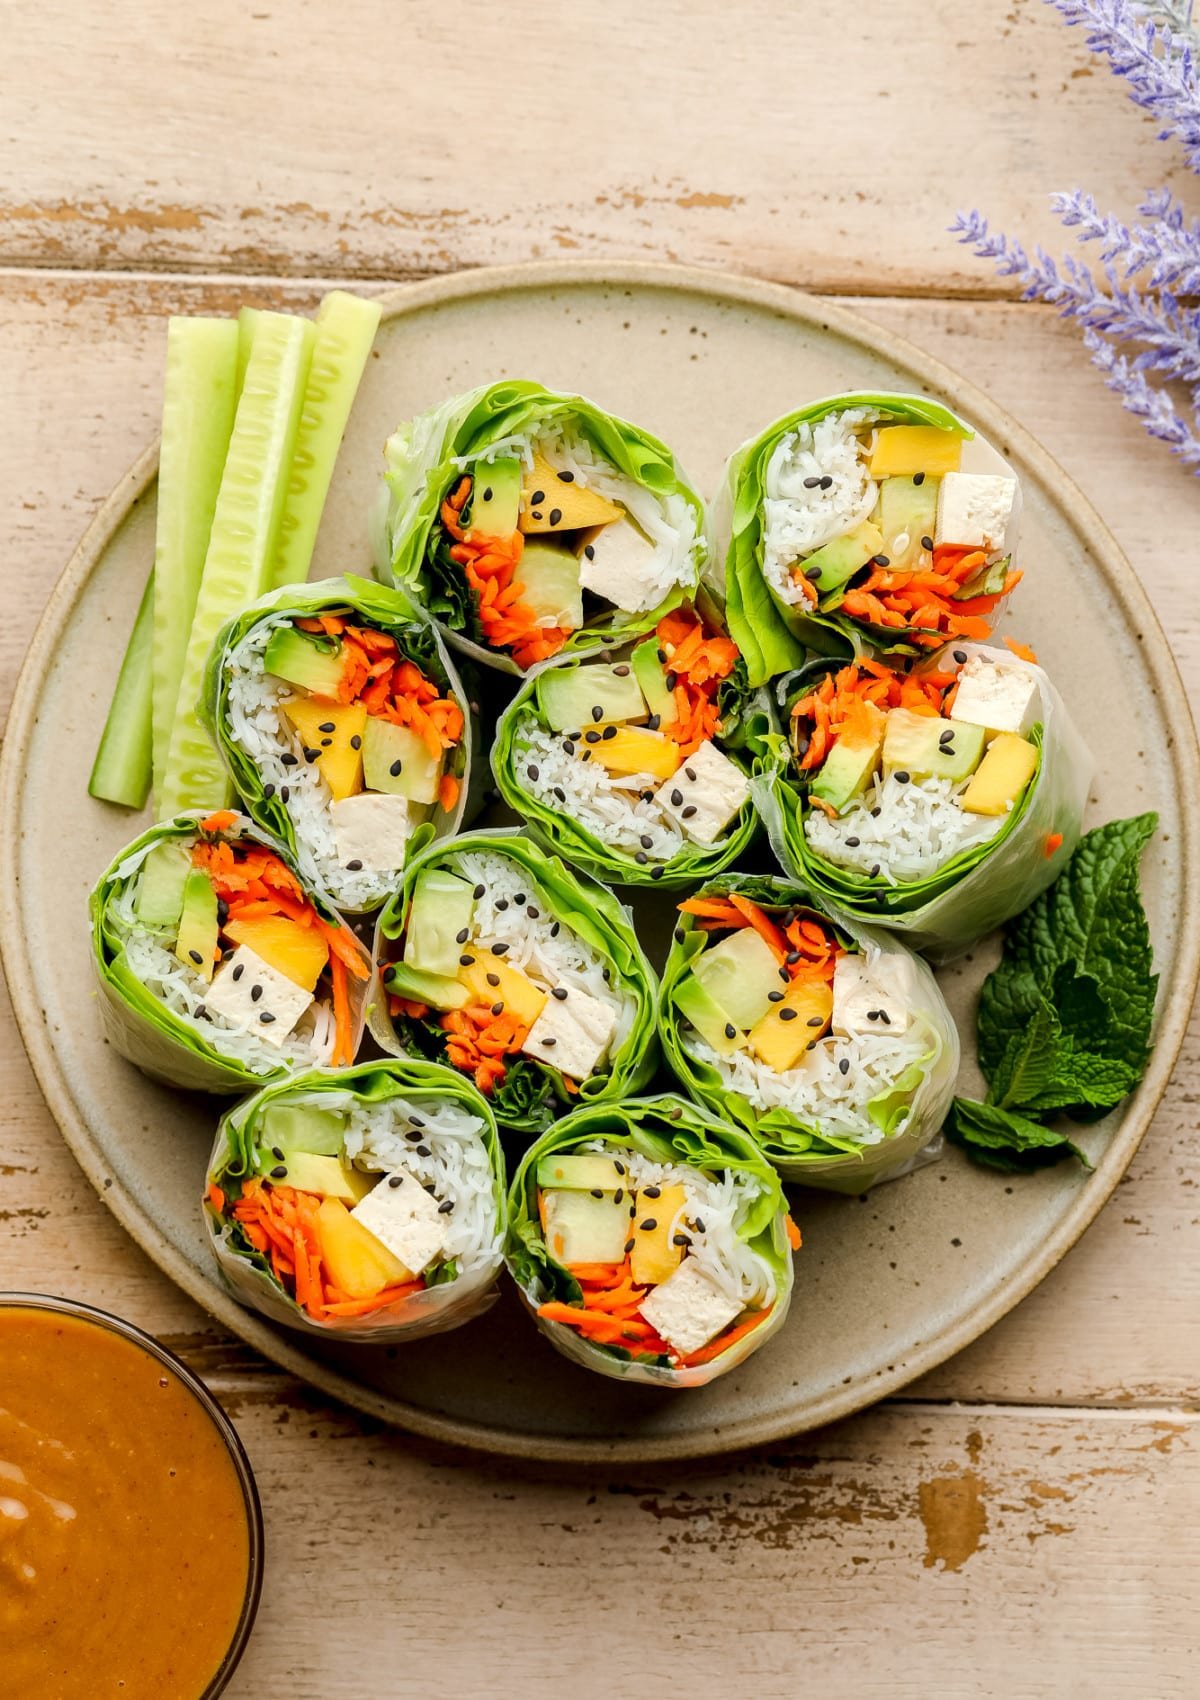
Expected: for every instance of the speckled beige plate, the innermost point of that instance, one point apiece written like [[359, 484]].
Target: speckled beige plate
[[885, 1289]]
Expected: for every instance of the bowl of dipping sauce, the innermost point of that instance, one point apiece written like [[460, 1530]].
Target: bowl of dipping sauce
[[131, 1540]]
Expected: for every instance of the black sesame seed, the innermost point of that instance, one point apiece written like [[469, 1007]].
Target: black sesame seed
[[698, 1225], [680, 935], [480, 891], [533, 770], [902, 776], [445, 1207], [872, 1015], [201, 1010], [255, 993], [311, 755], [567, 477], [672, 680], [651, 1192], [536, 514], [555, 515], [816, 1021], [597, 1192], [550, 1041], [289, 760], [662, 656], [465, 961], [812, 483], [960, 655], [534, 914], [560, 793], [775, 997], [519, 898], [327, 726], [918, 478], [395, 1180], [640, 857], [813, 575], [279, 1173], [266, 1018], [691, 773], [827, 483], [325, 743], [680, 1239], [676, 797], [538, 497], [395, 768], [423, 1151], [628, 1247], [559, 992], [589, 550], [277, 1151], [844, 1065], [196, 957], [649, 1224], [284, 793], [608, 732], [355, 866], [498, 1007], [927, 542], [686, 814], [656, 873], [853, 843], [785, 976], [947, 736], [621, 671], [811, 1046], [875, 813], [239, 971], [268, 790], [646, 841], [730, 1030], [792, 957], [568, 746], [597, 711], [881, 561], [502, 903], [885, 1018], [874, 870], [493, 979], [788, 1014], [618, 1195], [487, 494], [556, 929], [591, 737], [462, 935], [654, 722]]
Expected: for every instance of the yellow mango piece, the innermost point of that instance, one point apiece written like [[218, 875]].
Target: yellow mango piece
[[901, 450], [547, 504], [654, 1257], [299, 952], [357, 1262], [516, 991], [1002, 775], [783, 1035], [338, 760], [633, 749]]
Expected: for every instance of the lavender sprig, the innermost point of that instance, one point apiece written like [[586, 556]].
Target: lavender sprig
[[1168, 250], [1156, 61], [1153, 407]]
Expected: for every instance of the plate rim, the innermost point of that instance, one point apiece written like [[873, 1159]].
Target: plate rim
[[863, 1391]]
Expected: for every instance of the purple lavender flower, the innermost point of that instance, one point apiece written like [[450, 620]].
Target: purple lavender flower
[[1156, 61]]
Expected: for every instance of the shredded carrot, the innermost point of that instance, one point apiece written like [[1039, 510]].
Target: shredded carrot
[[221, 821], [925, 603], [1052, 844], [697, 658], [343, 1050], [763, 926], [216, 1197], [793, 1234], [490, 567], [448, 789], [807, 948], [1021, 650]]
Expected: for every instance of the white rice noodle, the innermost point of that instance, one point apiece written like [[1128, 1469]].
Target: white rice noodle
[[908, 829], [715, 1207], [545, 949], [796, 519]]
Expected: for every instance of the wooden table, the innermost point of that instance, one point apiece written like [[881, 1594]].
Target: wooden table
[[1023, 1522]]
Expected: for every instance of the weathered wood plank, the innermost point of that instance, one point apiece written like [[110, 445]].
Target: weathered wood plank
[[398, 138]]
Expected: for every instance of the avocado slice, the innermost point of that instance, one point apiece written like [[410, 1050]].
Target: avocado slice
[[569, 696], [581, 1173], [988, 581], [442, 907], [310, 663], [549, 580], [697, 1005], [651, 674], [846, 772], [160, 894], [196, 946], [829, 568], [398, 762], [740, 973], [583, 1229], [496, 497], [302, 1127], [927, 747], [907, 511], [323, 1174], [437, 990]]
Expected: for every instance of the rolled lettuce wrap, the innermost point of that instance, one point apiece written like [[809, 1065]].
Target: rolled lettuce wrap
[[497, 959], [344, 728], [650, 1242], [937, 800], [367, 1203], [220, 968], [860, 523], [529, 522], [638, 769], [831, 1044]]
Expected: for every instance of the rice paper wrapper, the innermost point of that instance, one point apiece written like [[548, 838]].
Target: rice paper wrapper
[[425, 460], [980, 888], [137, 1024], [588, 909], [418, 639], [666, 1128], [774, 636], [913, 1138], [248, 1276]]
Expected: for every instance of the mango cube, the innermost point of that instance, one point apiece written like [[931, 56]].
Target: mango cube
[[297, 951], [633, 749], [327, 732], [1002, 775], [901, 450], [655, 1257], [783, 1035], [516, 991]]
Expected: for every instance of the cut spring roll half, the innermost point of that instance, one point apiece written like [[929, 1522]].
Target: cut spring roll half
[[528, 978], [638, 769], [937, 800], [366, 1202], [530, 522], [865, 522], [221, 969], [345, 730], [650, 1242], [831, 1044]]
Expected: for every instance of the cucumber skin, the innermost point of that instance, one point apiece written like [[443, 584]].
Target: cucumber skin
[[121, 771]]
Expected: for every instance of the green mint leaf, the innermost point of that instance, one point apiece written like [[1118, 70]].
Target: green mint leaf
[[1001, 1139], [1083, 1080], [1028, 1066]]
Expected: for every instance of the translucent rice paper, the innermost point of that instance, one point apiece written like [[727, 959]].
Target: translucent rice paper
[[797, 1149], [980, 887], [424, 464], [249, 1277], [589, 910], [391, 612], [137, 1024], [774, 637], [666, 1129]]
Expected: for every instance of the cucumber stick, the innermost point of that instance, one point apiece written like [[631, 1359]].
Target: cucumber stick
[[247, 322], [121, 773], [241, 546], [199, 398], [346, 326]]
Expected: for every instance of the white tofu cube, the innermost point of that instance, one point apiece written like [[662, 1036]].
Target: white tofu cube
[[371, 829], [975, 509], [687, 1309], [617, 562], [250, 994], [703, 796], [871, 997], [997, 696], [572, 1033], [405, 1218]]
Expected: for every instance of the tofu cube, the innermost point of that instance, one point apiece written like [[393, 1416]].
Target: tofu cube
[[704, 795], [250, 994], [871, 997], [372, 828], [617, 562], [405, 1218], [687, 1309], [975, 509], [997, 696], [573, 1033]]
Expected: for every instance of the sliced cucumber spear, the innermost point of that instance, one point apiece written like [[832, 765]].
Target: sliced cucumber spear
[[346, 327], [245, 528], [121, 773], [199, 398]]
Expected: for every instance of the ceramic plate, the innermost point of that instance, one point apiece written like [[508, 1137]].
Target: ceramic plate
[[886, 1288]]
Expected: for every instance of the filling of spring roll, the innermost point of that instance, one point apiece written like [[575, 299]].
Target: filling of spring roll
[[351, 737], [549, 534], [631, 749], [222, 934], [357, 1205], [656, 1251], [492, 981], [876, 522], [907, 770], [793, 1019]]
